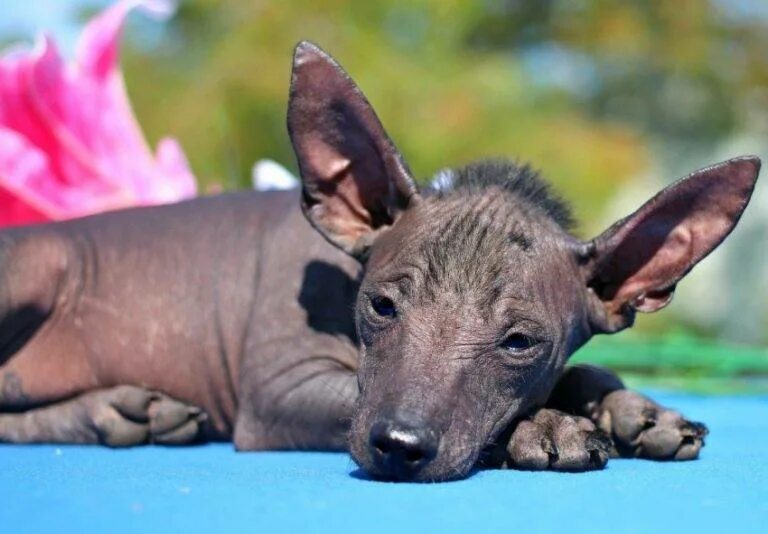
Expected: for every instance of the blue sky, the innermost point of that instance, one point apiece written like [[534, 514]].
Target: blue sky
[[19, 18]]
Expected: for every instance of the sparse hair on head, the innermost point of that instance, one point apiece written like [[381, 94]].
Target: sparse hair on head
[[521, 180]]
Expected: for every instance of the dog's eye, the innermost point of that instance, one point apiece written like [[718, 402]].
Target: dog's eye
[[383, 306], [517, 342]]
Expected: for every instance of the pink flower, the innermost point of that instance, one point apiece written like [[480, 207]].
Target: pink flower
[[69, 142]]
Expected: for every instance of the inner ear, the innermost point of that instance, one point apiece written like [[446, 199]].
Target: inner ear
[[636, 264], [354, 180]]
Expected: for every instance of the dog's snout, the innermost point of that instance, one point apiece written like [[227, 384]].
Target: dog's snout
[[400, 452]]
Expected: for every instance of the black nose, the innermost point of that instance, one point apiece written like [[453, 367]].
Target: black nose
[[400, 452]]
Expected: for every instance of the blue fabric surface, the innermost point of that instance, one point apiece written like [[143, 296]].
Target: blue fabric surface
[[212, 488]]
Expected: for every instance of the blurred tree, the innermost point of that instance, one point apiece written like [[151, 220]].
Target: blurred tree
[[581, 88], [219, 81], [684, 74]]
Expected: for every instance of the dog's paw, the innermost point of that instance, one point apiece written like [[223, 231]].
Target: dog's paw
[[124, 416], [554, 440], [640, 428]]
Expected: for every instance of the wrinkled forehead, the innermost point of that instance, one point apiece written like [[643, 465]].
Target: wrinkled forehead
[[480, 246]]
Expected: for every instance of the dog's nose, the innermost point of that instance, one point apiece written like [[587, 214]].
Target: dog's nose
[[400, 452]]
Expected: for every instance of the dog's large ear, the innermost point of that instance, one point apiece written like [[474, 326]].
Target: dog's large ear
[[635, 264], [354, 180]]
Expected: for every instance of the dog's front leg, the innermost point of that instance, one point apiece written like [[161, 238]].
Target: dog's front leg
[[550, 439], [121, 416], [638, 426], [294, 402]]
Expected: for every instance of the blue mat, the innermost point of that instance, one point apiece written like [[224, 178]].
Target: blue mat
[[212, 488]]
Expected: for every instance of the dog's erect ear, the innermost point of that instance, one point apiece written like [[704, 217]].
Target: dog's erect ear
[[354, 180], [635, 264]]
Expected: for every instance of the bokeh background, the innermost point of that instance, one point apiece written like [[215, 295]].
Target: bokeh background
[[610, 100]]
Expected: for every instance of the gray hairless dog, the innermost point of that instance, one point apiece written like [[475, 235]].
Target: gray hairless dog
[[426, 332]]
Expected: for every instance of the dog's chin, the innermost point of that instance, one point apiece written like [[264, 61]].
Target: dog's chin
[[445, 471]]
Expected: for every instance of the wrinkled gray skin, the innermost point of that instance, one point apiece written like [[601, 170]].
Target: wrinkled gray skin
[[427, 333]]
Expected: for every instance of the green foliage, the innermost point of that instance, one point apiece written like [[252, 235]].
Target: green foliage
[[220, 84], [454, 81], [681, 360]]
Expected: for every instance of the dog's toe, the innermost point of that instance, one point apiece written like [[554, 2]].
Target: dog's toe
[[643, 429], [126, 416], [558, 441]]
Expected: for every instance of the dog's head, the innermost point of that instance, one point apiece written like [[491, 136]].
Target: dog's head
[[474, 296]]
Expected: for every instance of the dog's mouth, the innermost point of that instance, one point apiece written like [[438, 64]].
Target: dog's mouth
[[391, 452]]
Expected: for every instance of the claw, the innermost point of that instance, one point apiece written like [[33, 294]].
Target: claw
[[693, 428], [549, 447], [198, 415], [599, 446], [649, 419], [598, 458], [599, 440]]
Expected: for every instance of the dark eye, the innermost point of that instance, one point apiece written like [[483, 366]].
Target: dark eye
[[517, 342], [383, 306]]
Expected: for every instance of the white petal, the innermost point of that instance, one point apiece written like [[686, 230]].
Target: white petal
[[268, 175], [443, 180]]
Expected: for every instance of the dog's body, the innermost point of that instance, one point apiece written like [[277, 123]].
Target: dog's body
[[189, 300], [453, 312]]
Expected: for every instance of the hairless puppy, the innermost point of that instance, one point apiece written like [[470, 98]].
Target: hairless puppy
[[425, 332]]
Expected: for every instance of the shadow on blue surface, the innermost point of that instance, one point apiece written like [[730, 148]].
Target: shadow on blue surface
[[212, 488]]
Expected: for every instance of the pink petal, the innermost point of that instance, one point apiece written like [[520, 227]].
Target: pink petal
[[70, 144], [26, 175], [63, 112], [14, 211], [173, 163], [98, 46], [26, 179]]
